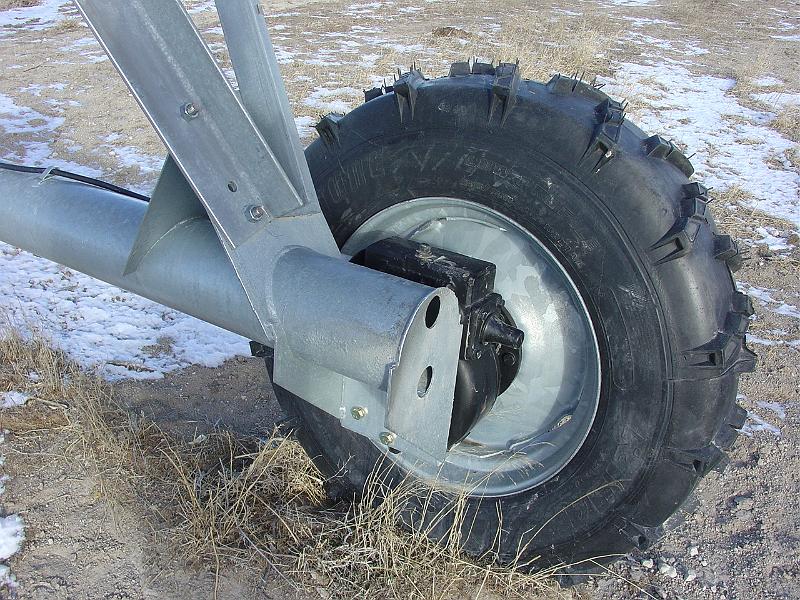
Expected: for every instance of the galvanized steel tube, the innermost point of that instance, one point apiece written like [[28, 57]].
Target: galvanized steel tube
[[92, 230]]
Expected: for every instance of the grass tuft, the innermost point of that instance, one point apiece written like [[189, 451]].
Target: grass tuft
[[788, 122], [67, 25], [9, 4]]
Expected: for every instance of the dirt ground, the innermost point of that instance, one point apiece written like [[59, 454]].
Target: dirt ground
[[739, 540]]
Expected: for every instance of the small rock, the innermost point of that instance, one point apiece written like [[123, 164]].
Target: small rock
[[648, 563], [743, 502], [667, 569], [793, 239], [694, 550], [763, 250], [690, 576]]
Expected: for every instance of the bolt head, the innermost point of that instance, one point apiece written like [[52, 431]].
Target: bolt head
[[358, 412], [387, 438], [190, 110], [256, 213]]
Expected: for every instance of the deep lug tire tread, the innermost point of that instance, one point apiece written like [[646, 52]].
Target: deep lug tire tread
[[678, 250]]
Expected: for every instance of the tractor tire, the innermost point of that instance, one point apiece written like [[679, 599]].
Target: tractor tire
[[616, 210]]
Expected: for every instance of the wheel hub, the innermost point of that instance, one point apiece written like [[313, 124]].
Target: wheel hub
[[490, 344], [538, 424]]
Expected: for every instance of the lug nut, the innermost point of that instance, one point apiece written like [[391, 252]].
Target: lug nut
[[256, 213], [358, 412], [387, 438]]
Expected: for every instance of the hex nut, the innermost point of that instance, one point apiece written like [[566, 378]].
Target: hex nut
[[190, 111], [358, 412], [256, 213], [387, 437]]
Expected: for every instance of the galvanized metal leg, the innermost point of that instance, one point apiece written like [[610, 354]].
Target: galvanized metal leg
[[262, 90], [211, 136]]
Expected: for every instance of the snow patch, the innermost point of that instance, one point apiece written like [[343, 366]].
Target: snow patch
[[729, 142], [36, 89], [754, 339], [774, 238], [32, 18], [103, 327], [201, 7], [128, 156], [630, 2], [644, 21], [12, 399], [15, 119], [777, 408], [11, 536], [756, 424], [778, 100], [330, 99], [305, 126], [767, 81], [7, 580], [34, 147], [765, 298]]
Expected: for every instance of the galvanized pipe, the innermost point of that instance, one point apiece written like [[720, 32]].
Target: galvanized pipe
[[347, 318], [92, 230]]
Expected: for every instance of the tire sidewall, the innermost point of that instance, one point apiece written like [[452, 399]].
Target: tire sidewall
[[616, 209], [516, 176]]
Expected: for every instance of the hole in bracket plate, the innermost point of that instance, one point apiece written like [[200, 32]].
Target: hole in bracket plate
[[432, 312], [232, 186], [424, 382]]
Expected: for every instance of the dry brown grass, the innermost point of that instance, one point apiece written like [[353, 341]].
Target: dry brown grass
[[224, 500], [747, 72], [30, 366], [542, 47], [273, 511], [735, 215], [788, 122], [793, 157], [67, 25], [698, 9], [9, 4], [564, 45]]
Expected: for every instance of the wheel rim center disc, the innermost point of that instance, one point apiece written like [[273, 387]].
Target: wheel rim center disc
[[540, 422]]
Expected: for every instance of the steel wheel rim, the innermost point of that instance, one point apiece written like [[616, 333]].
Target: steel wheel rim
[[538, 425]]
